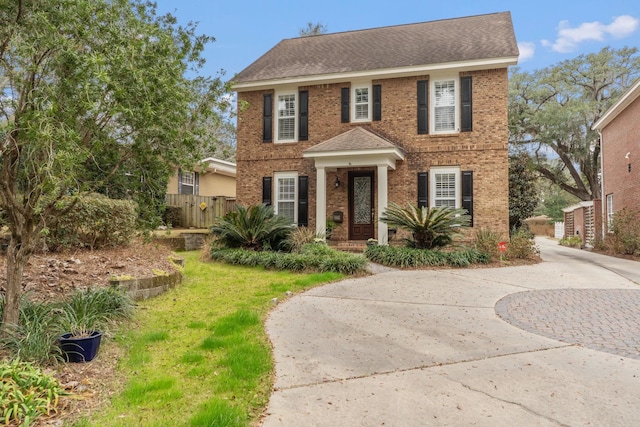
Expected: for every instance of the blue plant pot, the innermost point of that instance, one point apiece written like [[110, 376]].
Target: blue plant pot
[[78, 350]]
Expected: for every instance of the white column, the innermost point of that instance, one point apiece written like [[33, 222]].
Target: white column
[[383, 200], [321, 201]]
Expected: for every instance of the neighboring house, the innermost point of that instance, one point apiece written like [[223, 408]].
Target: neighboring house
[[339, 125], [583, 220], [213, 178], [619, 130]]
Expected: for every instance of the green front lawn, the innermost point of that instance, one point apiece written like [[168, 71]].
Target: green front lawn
[[198, 355]]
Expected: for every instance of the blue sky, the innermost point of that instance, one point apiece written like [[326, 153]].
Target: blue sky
[[547, 31]]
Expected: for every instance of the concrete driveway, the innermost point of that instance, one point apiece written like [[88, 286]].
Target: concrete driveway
[[550, 344]]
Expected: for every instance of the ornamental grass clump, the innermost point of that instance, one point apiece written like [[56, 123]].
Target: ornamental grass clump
[[430, 228], [89, 310], [26, 393], [417, 258]]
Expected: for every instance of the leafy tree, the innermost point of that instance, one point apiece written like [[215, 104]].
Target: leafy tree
[[88, 87], [553, 200], [552, 110], [430, 227], [313, 29], [523, 193]]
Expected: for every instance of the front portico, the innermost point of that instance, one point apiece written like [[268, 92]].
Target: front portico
[[354, 150]]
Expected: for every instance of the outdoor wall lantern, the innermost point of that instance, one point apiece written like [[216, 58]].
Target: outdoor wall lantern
[[337, 183], [629, 161]]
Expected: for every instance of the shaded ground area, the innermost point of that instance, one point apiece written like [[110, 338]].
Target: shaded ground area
[[50, 276], [599, 319]]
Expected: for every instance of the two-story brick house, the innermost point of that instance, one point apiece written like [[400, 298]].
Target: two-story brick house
[[339, 125], [619, 129]]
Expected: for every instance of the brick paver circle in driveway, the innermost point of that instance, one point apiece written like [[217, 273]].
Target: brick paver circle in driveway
[[600, 319]]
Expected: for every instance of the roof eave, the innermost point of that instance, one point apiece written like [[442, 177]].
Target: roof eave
[[396, 152], [480, 64], [627, 98]]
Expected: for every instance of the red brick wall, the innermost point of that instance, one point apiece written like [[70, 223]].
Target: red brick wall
[[620, 137], [484, 150]]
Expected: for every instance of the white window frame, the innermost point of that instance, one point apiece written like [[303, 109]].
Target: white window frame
[[278, 95], [610, 212], [369, 103], [439, 170], [277, 198], [185, 177], [456, 105]]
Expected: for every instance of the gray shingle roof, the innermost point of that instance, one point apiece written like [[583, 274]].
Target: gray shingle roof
[[436, 42]]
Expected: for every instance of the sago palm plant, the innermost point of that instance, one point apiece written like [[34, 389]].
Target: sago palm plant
[[255, 227], [430, 228]]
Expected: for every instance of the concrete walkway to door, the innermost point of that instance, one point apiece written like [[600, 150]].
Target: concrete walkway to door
[[421, 348]]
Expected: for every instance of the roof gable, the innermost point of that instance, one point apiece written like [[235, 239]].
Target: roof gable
[[437, 42]]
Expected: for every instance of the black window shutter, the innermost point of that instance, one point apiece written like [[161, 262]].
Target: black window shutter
[[344, 105], [423, 189], [266, 190], [196, 183], [267, 118], [303, 201], [423, 107], [466, 113], [467, 193], [377, 103], [303, 118]]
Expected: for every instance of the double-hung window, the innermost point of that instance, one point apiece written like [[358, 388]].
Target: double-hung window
[[444, 102], [361, 107], [286, 122], [445, 187], [187, 182], [286, 203], [610, 212]]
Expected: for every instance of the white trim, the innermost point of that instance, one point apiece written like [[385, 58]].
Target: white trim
[[439, 170], [355, 87], [222, 167], [356, 158], [276, 190], [386, 73], [278, 94], [627, 98], [611, 213]]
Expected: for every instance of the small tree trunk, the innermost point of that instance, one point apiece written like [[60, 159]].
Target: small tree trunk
[[18, 254], [15, 266]]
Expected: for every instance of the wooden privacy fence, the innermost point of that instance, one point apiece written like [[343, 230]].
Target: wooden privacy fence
[[199, 211]]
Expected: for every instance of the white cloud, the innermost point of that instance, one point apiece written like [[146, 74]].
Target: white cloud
[[527, 49], [569, 38]]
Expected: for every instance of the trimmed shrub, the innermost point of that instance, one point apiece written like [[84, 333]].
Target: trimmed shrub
[[94, 221], [412, 258]]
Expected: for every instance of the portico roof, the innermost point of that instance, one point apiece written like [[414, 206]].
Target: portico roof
[[356, 147]]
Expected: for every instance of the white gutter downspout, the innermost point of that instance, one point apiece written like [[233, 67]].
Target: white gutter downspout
[[603, 197]]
